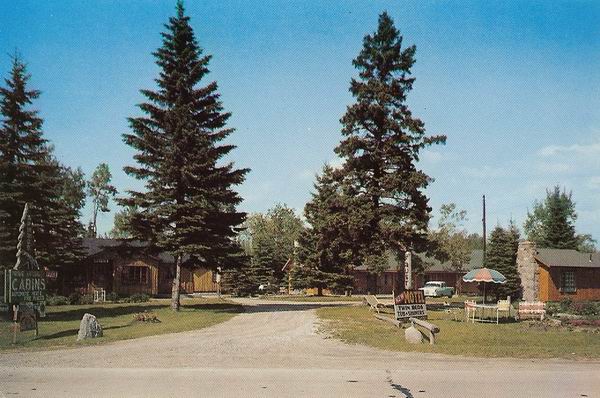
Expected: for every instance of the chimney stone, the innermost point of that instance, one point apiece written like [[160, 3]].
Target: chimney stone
[[528, 270]]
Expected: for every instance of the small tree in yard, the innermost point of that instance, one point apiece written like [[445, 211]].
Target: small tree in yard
[[327, 248], [551, 224], [452, 243], [502, 256], [100, 190], [188, 207]]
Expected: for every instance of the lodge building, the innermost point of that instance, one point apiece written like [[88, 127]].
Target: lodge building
[[127, 267]]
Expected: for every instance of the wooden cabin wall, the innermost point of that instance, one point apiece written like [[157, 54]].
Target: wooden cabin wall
[[587, 282], [203, 281], [150, 287]]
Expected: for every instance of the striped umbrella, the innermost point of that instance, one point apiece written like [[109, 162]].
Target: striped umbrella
[[485, 275]]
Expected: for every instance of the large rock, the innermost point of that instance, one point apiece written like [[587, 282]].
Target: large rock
[[89, 328], [413, 335]]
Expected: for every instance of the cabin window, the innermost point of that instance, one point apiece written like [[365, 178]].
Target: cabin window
[[567, 282], [135, 275]]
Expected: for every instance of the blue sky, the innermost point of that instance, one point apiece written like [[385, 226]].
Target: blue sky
[[514, 86]]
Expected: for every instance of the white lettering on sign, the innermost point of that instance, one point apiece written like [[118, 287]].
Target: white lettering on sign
[[410, 310]]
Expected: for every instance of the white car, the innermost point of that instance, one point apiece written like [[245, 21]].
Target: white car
[[437, 289]]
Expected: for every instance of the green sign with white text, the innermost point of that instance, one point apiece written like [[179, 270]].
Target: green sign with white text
[[24, 286]]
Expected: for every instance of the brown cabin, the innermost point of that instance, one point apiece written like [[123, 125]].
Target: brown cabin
[[366, 282], [557, 274], [128, 267]]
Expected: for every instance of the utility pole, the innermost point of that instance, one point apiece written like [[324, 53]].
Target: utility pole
[[484, 233]]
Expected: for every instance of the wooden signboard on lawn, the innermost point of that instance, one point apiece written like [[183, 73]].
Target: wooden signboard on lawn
[[24, 286], [410, 304]]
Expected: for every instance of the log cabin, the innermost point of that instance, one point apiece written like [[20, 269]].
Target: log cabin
[[558, 274], [127, 267]]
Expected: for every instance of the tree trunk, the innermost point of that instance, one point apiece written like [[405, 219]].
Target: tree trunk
[[175, 303], [319, 291]]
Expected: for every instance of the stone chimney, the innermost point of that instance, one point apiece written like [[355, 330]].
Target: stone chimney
[[528, 270]]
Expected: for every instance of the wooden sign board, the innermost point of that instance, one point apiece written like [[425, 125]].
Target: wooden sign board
[[410, 304], [24, 286], [27, 318]]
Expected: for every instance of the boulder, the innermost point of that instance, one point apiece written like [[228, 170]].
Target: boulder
[[89, 328], [413, 335]]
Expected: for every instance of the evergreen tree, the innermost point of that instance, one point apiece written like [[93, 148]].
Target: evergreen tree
[[328, 248], [60, 242], [122, 223], [381, 148], [502, 256], [188, 207], [26, 175], [551, 224]]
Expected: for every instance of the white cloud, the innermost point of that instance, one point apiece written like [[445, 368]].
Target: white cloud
[[575, 149], [551, 167]]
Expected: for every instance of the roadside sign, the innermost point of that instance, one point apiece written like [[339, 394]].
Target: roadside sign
[[410, 303], [27, 318], [24, 286]]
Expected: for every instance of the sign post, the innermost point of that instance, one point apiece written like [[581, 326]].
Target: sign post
[[25, 283]]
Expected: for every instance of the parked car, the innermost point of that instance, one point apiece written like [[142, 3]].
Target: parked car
[[437, 289]]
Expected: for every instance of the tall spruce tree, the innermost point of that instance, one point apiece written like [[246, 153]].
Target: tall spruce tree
[[188, 207], [502, 256], [26, 173], [381, 148]]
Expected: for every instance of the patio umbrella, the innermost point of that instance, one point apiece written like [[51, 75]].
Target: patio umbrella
[[485, 275]]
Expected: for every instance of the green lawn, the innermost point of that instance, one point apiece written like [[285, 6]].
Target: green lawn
[[356, 325], [62, 323], [312, 298]]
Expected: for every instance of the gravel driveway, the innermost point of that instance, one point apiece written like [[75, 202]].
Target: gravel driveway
[[274, 350]]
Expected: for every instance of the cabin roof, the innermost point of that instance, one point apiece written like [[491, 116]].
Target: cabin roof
[[568, 258], [93, 246]]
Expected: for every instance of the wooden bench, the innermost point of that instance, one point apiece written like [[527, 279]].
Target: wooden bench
[[532, 309], [430, 327]]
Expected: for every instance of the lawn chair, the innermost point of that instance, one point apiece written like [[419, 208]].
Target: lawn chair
[[470, 309], [374, 303], [503, 306], [532, 309]]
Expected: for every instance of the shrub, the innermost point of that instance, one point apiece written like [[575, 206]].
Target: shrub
[[74, 298], [57, 300], [139, 298], [565, 305], [586, 308], [86, 299], [552, 308], [112, 296]]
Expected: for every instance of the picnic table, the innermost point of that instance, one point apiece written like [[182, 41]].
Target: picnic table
[[482, 312]]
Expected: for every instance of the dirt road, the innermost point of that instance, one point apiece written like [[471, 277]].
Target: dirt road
[[274, 350]]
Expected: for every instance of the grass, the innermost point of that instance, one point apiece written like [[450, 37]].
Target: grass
[[356, 325], [60, 327], [309, 299]]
